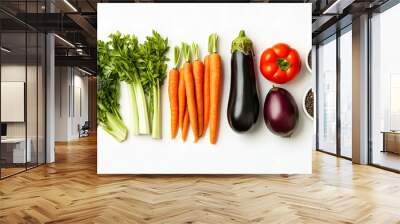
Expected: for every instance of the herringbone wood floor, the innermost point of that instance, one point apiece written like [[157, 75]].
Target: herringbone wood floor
[[69, 191]]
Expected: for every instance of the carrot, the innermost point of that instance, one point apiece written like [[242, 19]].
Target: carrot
[[173, 85], [185, 126], [215, 87], [198, 74], [190, 91], [182, 98], [206, 94]]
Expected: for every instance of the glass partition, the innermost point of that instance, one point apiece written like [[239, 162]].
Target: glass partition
[[327, 96], [23, 89], [14, 153]]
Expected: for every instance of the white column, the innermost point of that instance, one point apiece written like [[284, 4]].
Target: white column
[[360, 90], [50, 94]]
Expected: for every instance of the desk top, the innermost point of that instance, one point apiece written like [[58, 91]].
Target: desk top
[[391, 132], [13, 140]]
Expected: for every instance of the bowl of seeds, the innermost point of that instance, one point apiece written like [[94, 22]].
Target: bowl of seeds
[[308, 103]]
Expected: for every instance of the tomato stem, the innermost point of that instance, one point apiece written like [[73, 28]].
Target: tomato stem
[[283, 64]]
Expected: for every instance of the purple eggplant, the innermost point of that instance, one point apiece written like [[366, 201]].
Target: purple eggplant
[[243, 104], [281, 114]]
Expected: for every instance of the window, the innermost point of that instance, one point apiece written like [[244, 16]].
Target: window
[[385, 89], [346, 93], [335, 94], [327, 96]]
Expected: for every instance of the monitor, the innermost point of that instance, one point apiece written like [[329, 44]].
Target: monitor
[[3, 129]]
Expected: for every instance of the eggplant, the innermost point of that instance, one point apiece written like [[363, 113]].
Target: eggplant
[[281, 114], [243, 104]]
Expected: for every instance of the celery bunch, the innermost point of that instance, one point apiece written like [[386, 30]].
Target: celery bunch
[[108, 92], [143, 67]]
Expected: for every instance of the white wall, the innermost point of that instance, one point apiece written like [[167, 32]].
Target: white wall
[[69, 82], [61, 103], [80, 84]]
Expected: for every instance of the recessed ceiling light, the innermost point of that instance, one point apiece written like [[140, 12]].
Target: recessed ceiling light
[[84, 71], [64, 40], [70, 5], [338, 6], [5, 50]]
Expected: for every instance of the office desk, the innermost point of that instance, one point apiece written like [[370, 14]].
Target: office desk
[[391, 141], [17, 150]]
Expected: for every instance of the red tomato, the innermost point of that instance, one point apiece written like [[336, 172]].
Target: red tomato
[[280, 63]]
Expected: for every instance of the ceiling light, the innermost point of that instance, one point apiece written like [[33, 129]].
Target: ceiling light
[[5, 50], [64, 40], [70, 5], [84, 71], [338, 6]]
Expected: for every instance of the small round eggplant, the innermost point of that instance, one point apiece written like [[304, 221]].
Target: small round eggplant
[[281, 114], [243, 104]]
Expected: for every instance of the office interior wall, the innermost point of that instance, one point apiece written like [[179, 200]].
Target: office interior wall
[[61, 114], [80, 115], [71, 102]]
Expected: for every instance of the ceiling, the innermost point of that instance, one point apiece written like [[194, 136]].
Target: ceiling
[[76, 21]]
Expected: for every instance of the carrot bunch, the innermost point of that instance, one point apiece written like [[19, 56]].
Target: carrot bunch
[[194, 91]]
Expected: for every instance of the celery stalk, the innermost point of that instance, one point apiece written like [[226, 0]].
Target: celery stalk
[[156, 119], [144, 127], [115, 127], [135, 116]]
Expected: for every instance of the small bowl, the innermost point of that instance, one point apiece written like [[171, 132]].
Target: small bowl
[[309, 62], [304, 103]]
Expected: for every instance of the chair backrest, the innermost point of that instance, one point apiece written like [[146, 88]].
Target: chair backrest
[[86, 125]]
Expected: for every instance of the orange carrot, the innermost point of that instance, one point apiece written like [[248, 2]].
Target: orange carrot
[[198, 74], [215, 87], [182, 98], [186, 124], [206, 94], [173, 85], [190, 91]]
